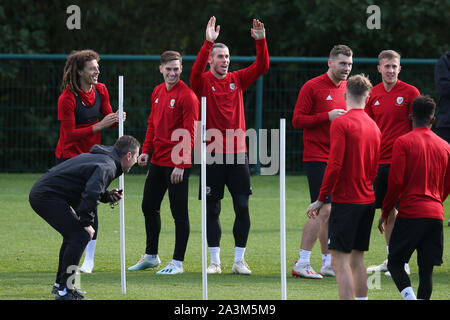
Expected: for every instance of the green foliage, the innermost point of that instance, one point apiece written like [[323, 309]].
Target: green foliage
[[294, 27]]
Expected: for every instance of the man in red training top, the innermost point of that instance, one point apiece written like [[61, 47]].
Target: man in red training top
[[82, 101], [351, 169], [225, 114], [420, 178], [389, 106], [174, 107], [320, 101]]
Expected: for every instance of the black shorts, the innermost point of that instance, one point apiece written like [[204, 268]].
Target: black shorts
[[380, 185], [424, 235], [349, 226], [315, 170], [234, 175]]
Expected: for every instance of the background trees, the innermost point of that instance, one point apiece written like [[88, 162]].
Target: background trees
[[416, 29]]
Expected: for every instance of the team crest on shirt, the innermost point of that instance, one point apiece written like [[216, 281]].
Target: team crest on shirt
[[232, 86], [172, 103], [400, 100]]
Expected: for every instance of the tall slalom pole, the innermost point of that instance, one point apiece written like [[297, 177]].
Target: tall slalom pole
[[283, 207], [203, 192], [122, 202]]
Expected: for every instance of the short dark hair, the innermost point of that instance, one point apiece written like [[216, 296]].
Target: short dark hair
[[341, 49], [217, 45], [126, 144], [170, 55], [423, 108]]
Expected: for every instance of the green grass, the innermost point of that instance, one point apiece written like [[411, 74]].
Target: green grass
[[28, 257]]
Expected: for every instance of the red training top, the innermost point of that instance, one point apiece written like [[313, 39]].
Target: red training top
[[171, 110], [316, 98], [419, 175], [353, 162], [224, 100], [76, 139], [390, 110]]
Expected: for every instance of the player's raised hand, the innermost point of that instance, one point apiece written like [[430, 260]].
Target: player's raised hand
[[212, 32], [258, 32]]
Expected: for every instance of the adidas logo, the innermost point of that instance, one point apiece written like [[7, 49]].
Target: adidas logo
[[329, 98], [377, 103]]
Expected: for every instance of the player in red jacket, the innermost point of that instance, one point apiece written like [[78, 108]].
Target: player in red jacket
[[225, 113], [420, 178], [389, 105], [82, 101], [351, 170], [320, 101], [173, 115]]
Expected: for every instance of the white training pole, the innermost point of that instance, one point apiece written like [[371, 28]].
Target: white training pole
[[203, 192], [122, 202], [283, 206]]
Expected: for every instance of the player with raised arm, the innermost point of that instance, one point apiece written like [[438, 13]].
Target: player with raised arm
[[225, 113]]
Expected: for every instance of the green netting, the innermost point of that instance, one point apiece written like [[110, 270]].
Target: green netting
[[29, 90]]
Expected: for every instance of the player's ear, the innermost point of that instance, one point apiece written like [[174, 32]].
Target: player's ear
[[161, 68]]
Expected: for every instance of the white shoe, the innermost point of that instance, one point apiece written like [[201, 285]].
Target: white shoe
[[381, 268], [241, 267], [407, 270], [171, 269], [305, 271], [145, 263], [327, 271], [214, 268], [87, 267]]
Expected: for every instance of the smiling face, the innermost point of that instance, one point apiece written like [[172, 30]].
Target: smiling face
[[389, 70], [219, 61], [171, 72], [89, 75]]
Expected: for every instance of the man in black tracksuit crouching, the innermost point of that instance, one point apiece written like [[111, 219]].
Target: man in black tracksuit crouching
[[66, 196]]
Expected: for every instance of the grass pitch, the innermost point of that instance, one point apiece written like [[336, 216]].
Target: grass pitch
[[29, 249]]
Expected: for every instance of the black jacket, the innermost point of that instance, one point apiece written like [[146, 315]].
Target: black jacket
[[442, 79], [81, 181]]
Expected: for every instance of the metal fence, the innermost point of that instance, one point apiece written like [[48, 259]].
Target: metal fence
[[29, 91]]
